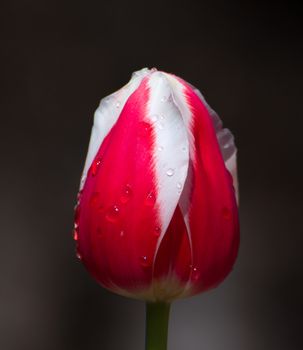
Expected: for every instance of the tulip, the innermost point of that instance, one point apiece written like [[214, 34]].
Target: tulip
[[157, 217]]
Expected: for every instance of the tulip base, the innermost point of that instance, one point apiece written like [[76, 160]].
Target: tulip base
[[157, 316]]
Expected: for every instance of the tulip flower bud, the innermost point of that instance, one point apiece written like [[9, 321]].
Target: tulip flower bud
[[157, 214]]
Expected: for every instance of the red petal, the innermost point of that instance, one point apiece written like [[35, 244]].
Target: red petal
[[174, 256], [118, 209], [213, 214]]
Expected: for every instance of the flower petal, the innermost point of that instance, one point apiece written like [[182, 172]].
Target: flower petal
[[171, 147], [226, 142], [106, 116], [118, 209], [208, 201], [172, 265]]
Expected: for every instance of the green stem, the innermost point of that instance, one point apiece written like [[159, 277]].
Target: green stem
[[157, 315]]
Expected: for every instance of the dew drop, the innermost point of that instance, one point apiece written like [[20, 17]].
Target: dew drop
[[179, 187], [170, 172], [144, 261], [77, 215], [112, 214], [145, 129], [162, 116], [82, 181], [126, 194], [154, 117], [160, 148], [122, 233], [184, 149], [163, 98], [118, 104], [157, 231], [195, 274], [226, 213], [78, 255], [161, 126], [75, 234], [93, 201], [150, 199], [95, 166]]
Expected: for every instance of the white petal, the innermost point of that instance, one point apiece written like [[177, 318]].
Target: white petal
[[171, 147], [181, 102], [231, 165], [106, 116]]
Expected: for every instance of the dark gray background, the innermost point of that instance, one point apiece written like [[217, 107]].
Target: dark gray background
[[58, 59]]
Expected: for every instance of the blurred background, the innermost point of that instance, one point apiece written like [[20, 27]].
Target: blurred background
[[58, 59]]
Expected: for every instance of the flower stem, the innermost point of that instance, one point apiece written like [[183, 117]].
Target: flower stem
[[157, 316]]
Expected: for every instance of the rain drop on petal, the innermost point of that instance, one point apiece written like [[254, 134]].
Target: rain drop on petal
[[170, 172]]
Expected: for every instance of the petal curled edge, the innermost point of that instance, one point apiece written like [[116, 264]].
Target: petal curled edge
[[106, 116], [226, 143], [208, 202]]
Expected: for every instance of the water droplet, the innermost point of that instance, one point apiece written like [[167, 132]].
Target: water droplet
[[184, 149], [195, 274], [95, 166], [170, 172], [78, 255], [126, 194], [160, 148], [161, 126], [163, 98], [226, 146], [122, 233], [112, 214], [150, 199], [179, 187], [162, 116], [144, 261], [118, 104], [154, 117], [75, 234], [93, 201], [82, 181], [77, 216], [226, 213], [157, 231], [145, 129]]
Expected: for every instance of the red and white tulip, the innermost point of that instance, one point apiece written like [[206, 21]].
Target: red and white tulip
[[157, 215]]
